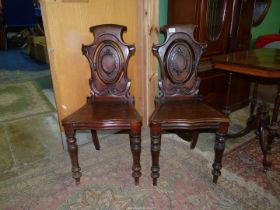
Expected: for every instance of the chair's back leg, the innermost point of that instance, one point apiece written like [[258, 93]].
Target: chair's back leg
[[194, 139], [95, 139]]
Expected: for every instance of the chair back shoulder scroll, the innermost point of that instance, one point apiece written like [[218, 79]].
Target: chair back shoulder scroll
[[178, 57], [108, 57]]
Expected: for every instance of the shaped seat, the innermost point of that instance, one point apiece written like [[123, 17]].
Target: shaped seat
[[179, 107], [110, 106]]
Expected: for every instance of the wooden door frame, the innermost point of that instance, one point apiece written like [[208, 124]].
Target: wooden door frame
[[147, 65], [148, 18]]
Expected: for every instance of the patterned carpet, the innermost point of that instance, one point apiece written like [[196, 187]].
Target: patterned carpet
[[246, 161], [8, 76], [19, 100], [185, 182]]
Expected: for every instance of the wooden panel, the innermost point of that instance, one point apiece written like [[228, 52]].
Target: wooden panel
[[67, 27], [213, 88], [179, 12], [151, 36], [235, 35], [220, 45], [242, 21], [242, 17], [239, 95]]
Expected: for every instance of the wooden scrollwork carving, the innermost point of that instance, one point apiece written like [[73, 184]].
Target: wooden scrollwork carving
[[108, 56], [178, 57]]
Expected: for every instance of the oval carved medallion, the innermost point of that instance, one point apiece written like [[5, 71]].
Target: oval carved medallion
[[179, 62], [108, 64]]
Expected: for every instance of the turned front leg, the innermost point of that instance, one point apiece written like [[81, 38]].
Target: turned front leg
[[135, 145], [219, 150], [73, 152], [155, 151]]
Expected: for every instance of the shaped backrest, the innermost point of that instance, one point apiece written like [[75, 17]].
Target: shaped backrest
[[178, 56], [108, 57]]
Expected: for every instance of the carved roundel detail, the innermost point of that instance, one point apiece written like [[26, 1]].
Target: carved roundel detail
[[108, 63], [179, 62]]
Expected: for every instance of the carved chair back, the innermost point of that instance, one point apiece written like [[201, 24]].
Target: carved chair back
[[108, 57], [178, 57]]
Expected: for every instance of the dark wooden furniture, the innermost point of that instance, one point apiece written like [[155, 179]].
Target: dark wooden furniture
[[110, 106], [226, 27], [260, 64], [17, 15], [260, 11], [179, 107]]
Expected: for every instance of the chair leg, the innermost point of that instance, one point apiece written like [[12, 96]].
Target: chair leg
[[135, 146], [95, 139], [219, 150], [73, 152], [194, 140], [185, 136], [155, 151]]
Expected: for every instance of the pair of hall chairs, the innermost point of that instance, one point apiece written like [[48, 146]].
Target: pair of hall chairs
[[179, 107]]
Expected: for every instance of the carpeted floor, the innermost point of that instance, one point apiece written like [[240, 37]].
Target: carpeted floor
[[17, 59], [246, 162], [185, 182], [29, 132], [19, 100], [8, 76], [35, 172]]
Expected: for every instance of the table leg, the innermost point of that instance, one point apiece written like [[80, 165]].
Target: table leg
[[272, 130], [253, 102], [266, 132], [251, 121], [226, 109], [276, 111], [278, 131]]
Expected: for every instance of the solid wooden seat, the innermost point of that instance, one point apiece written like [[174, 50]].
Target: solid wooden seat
[[117, 113], [110, 105], [187, 112], [179, 108]]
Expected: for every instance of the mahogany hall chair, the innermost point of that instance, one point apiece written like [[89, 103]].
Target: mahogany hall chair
[[110, 106], [178, 106]]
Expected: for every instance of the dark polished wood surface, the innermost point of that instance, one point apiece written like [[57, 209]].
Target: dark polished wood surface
[[104, 113], [226, 27], [110, 105], [179, 108], [258, 62], [187, 112]]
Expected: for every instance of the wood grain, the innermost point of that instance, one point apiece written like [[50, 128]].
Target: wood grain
[[67, 28]]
